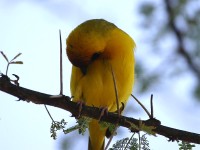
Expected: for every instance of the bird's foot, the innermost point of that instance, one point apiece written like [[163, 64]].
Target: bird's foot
[[80, 105], [104, 111], [121, 109]]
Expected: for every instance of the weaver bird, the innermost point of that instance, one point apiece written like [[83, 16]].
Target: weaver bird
[[98, 50]]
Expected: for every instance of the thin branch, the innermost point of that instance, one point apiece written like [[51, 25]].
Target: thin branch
[[7, 68], [143, 107], [116, 92], [49, 113], [151, 102], [139, 137], [129, 141], [64, 102], [61, 70], [118, 110]]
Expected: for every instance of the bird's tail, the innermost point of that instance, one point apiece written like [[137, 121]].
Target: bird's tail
[[97, 136]]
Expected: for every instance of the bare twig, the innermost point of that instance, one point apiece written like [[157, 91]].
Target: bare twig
[[61, 70], [16, 82], [151, 101], [49, 113], [116, 92], [118, 109], [143, 107], [129, 141], [139, 137], [61, 77]]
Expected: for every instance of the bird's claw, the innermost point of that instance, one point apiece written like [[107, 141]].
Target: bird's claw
[[80, 104], [104, 110]]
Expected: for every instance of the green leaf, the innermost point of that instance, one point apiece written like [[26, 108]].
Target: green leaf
[[16, 62], [73, 128], [16, 56], [4, 56]]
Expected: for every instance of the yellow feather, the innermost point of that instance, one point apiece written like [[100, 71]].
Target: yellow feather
[[93, 48]]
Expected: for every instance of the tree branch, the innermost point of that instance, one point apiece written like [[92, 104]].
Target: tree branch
[[64, 102]]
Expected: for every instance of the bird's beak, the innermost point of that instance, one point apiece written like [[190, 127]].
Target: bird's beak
[[84, 70]]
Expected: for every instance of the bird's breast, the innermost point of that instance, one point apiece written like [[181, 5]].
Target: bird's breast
[[98, 85]]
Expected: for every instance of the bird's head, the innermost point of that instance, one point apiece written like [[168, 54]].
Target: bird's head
[[87, 42]]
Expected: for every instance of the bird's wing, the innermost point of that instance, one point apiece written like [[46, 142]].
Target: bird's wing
[[75, 86]]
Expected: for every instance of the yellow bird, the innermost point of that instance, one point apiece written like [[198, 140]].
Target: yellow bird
[[95, 48]]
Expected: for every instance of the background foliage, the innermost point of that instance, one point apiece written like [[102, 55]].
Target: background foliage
[[174, 27]]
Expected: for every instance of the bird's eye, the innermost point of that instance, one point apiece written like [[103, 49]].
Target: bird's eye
[[95, 56]]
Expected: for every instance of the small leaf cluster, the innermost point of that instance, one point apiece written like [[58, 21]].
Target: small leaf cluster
[[131, 144], [12, 61], [56, 126], [81, 126], [185, 146], [125, 143], [144, 143]]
